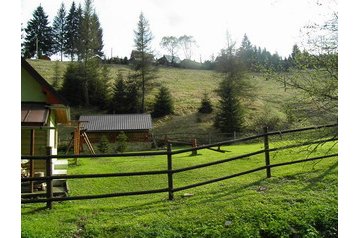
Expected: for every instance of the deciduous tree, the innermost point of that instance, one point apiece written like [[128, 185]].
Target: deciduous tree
[[170, 44]]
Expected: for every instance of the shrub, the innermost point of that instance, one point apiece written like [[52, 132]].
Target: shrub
[[269, 117], [121, 142], [206, 106], [103, 145]]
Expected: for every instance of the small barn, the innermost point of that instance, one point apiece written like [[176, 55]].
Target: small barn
[[42, 111], [168, 60], [136, 126]]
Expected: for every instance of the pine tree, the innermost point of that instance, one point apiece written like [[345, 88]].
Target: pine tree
[[59, 27], [143, 63], [39, 35], [163, 103]]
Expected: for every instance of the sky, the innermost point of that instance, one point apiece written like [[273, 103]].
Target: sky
[[271, 24]]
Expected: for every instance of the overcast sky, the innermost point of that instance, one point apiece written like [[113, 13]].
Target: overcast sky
[[273, 24]]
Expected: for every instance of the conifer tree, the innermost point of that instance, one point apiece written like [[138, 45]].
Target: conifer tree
[[143, 62], [163, 103], [59, 30], [125, 96], [229, 117], [72, 28], [39, 35], [230, 113]]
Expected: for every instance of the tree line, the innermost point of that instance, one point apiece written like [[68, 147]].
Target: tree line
[[76, 34]]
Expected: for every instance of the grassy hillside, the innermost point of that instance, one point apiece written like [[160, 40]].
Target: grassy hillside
[[298, 201], [187, 88]]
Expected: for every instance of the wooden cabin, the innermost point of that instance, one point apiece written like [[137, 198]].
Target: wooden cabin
[[168, 60], [42, 111], [136, 126]]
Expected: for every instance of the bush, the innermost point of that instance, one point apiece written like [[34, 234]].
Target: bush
[[103, 145], [206, 106], [121, 142], [268, 117]]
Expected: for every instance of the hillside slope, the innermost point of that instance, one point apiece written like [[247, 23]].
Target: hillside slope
[[187, 88]]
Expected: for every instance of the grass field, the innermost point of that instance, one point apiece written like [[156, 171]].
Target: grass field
[[298, 201]]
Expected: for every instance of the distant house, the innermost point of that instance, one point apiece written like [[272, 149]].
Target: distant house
[[42, 110], [136, 126], [136, 56], [168, 60]]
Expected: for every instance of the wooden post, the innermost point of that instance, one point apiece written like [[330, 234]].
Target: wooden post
[[32, 165], [194, 144], [267, 153], [76, 142], [170, 173], [49, 184]]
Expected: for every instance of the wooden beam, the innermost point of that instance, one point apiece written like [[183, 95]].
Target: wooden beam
[[32, 152]]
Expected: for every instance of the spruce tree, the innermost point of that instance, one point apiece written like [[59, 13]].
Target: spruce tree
[[230, 113], [229, 117], [163, 103], [59, 30], [72, 84], [118, 102], [125, 96], [38, 40], [72, 29], [91, 42], [145, 72]]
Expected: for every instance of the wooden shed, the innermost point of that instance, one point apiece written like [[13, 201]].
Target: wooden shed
[[42, 110], [136, 126]]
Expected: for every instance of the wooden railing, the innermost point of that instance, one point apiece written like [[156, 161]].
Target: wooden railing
[[170, 171]]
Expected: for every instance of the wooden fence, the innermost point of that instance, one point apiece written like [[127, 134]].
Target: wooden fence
[[170, 171]]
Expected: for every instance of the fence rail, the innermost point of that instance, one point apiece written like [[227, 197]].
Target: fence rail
[[170, 171]]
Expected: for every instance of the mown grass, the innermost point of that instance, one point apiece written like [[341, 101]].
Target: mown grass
[[298, 201]]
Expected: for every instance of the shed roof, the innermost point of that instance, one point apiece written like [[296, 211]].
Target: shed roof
[[116, 122], [34, 114]]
